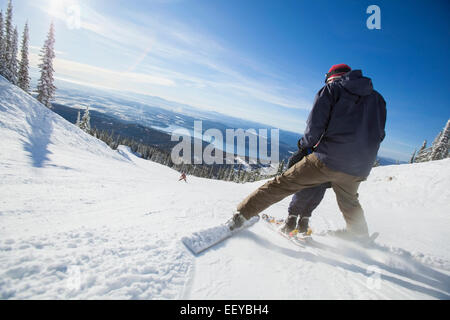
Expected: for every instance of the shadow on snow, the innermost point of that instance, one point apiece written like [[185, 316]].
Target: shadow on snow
[[39, 138]]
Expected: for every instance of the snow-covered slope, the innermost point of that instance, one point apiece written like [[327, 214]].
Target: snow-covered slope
[[78, 220]]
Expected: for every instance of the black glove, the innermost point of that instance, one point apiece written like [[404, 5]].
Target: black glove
[[296, 157]]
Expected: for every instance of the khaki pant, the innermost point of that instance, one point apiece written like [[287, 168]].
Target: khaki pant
[[310, 172]]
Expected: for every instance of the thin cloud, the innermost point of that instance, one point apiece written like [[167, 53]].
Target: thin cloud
[[107, 78], [38, 49], [175, 46]]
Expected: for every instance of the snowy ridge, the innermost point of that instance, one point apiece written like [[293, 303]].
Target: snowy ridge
[[81, 221]]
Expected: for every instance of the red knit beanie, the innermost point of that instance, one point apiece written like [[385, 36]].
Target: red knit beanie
[[337, 71]]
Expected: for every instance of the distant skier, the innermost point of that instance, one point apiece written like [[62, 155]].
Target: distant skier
[[347, 124], [183, 177]]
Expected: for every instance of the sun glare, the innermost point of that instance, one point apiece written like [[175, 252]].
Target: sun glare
[[65, 10], [58, 8]]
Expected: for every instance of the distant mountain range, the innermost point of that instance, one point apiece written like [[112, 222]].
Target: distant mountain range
[[151, 120], [138, 119]]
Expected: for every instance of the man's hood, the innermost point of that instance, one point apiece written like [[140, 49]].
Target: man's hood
[[355, 83]]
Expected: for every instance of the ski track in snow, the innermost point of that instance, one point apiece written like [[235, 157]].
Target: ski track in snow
[[81, 221]]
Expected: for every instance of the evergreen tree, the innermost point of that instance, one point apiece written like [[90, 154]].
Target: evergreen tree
[[413, 157], [436, 140], [441, 146], [46, 89], [231, 173], [12, 63], [281, 168], [8, 42], [211, 173], [238, 177], [423, 147], [2, 44], [423, 153], [24, 77], [85, 123]]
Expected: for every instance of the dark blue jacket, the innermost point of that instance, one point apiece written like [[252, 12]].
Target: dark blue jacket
[[348, 123]]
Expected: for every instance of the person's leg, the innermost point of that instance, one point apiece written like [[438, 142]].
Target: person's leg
[[305, 174], [346, 189], [306, 201], [297, 203]]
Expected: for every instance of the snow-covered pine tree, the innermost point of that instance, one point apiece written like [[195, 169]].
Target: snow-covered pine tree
[[238, 175], [8, 41], [85, 123], [441, 146], [220, 173], [436, 140], [2, 45], [413, 156], [230, 173], [423, 153], [12, 65], [46, 89], [24, 76], [280, 168], [211, 173]]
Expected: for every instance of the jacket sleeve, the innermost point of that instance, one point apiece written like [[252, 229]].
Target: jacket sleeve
[[318, 119], [383, 118]]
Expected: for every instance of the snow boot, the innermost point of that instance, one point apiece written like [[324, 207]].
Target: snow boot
[[289, 224], [303, 224], [236, 222]]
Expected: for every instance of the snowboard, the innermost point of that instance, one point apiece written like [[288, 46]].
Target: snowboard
[[202, 240]]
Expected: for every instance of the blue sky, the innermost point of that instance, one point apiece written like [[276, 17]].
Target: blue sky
[[259, 60]]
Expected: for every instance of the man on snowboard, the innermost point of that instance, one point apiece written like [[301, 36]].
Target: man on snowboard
[[346, 126]]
